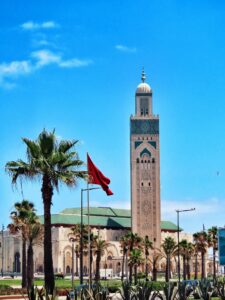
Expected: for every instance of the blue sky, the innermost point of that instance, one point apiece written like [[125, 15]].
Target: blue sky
[[74, 66]]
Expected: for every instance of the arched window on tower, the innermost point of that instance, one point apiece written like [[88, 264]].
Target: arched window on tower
[[144, 102]]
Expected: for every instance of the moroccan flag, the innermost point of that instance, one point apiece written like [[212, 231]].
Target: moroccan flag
[[95, 176]]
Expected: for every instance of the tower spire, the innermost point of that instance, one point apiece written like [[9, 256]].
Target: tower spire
[[143, 76]]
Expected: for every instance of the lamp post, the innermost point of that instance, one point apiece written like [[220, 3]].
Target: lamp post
[[178, 237], [72, 239], [81, 233], [2, 249]]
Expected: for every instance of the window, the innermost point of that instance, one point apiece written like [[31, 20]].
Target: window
[[137, 160], [144, 102]]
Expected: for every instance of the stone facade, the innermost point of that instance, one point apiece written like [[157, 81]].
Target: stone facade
[[145, 166], [62, 252]]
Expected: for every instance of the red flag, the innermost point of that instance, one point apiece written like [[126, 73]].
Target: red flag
[[95, 176]]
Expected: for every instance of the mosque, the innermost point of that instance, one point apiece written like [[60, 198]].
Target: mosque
[[109, 223]]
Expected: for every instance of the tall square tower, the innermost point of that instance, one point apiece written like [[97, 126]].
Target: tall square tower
[[145, 166]]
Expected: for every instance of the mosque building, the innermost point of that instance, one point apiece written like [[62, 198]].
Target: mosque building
[[110, 223]]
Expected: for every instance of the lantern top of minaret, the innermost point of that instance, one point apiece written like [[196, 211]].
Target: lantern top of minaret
[[143, 88], [143, 76]]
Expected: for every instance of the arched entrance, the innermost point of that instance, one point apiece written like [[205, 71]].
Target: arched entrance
[[68, 262], [17, 263]]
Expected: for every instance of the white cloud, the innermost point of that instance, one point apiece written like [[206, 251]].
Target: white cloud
[[45, 57], [38, 60], [15, 68], [201, 207], [30, 25], [209, 212], [123, 48], [74, 63]]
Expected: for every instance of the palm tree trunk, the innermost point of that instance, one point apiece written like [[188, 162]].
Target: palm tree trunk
[[196, 266], [167, 268], [130, 273], [135, 274], [188, 269], [98, 259], [146, 267], [214, 264], [24, 264], [184, 268], [203, 265], [122, 274], [47, 192], [90, 267], [154, 271], [30, 266], [77, 263]]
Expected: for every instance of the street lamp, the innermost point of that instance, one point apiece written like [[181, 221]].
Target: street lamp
[[2, 248], [72, 239], [178, 237], [81, 233]]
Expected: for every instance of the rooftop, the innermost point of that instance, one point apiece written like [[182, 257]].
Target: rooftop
[[101, 216]]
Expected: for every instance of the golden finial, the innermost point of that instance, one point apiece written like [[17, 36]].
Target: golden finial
[[143, 76]]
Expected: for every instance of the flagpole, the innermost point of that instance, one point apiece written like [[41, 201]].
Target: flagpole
[[89, 239], [81, 239]]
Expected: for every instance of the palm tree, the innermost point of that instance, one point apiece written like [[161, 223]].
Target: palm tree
[[214, 239], [100, 246], [169, 246], [134, 242], [202, 241], [135, 260], [147, 245], [52, 162], [189, 254], [196, 260], [124, 244], [157, 255], [183, 251], [20, 221], [76, 234], [34, 236]]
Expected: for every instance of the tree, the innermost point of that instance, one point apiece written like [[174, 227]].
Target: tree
[[202, 241], [34, 236], [134, 242], [214, 243], [135, 260], [147, 245], [169, 247], [156, 257], [124, 244], [53, 162], [196, 260], [100, 246], [189, 255], [76, 233], [20, 221], [183, 251]]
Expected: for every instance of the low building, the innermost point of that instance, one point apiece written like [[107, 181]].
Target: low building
[[109, 223]]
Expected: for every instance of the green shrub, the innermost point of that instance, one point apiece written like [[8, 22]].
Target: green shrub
[[141, 275]]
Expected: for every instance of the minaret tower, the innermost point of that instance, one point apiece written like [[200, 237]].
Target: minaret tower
[[145, 166]]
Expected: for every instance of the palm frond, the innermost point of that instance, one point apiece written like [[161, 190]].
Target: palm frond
[[65, 145], [46, 140]]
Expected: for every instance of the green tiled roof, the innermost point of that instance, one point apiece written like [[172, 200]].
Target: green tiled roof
[[99, 211], [101, 216], [167, 225]]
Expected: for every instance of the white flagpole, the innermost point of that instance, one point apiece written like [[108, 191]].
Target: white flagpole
[[89, 239]]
